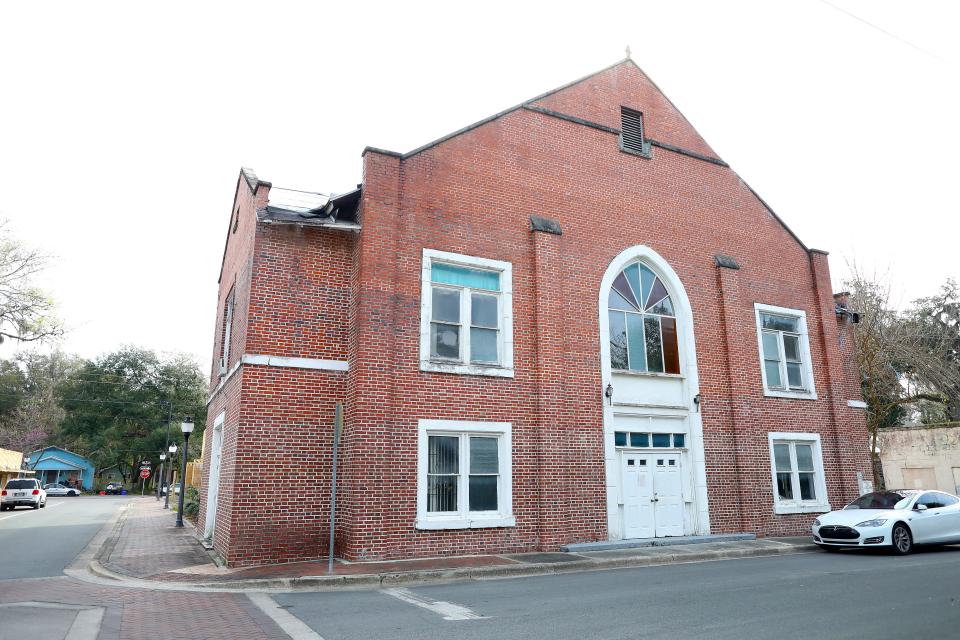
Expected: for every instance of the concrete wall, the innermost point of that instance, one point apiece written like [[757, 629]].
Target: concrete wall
[[921, 454]]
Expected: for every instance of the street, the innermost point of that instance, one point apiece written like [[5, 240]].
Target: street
[[843, 595], [810, 595], [41, 543]]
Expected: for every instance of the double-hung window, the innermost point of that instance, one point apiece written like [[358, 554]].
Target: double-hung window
[[784, 352], [466, 319], [797, 473], [464, 475]]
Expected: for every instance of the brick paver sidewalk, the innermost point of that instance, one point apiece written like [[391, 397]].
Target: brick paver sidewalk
[[149, 543], [149, 546]]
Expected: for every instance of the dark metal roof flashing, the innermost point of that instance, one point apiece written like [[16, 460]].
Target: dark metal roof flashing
[[339, 212]]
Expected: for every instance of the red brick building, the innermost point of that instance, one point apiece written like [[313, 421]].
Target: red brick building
[[568, 322]]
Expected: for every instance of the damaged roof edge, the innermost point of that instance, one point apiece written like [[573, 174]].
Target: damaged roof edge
[[252, 180]]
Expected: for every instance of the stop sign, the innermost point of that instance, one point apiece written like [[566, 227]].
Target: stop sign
[[144, 473]]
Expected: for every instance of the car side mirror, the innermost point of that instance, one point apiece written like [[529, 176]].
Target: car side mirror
[[920, 507]]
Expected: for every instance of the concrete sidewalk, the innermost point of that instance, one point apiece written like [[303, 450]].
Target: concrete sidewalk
[[145, 548]]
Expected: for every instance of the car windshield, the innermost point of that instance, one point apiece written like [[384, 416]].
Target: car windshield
[[878, 500], [21, 484]]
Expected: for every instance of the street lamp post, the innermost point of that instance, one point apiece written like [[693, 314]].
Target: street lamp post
[[187, 427], [160, 476], [166, 495]]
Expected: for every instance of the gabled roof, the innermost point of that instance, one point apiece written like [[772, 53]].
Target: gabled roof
[[41, 452], [530, 105]]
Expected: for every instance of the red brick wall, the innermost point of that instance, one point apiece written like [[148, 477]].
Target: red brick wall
[[292, 300], [235, 277], [473, 194]]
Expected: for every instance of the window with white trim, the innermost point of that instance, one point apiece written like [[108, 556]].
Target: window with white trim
[[466, 318], [464, 475], [796, 465], [784, 352]]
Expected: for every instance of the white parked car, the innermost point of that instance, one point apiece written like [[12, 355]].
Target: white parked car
[[61, 490], [896, 519], [23, 492]]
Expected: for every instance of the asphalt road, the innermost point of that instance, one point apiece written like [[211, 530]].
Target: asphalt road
[[41, 543], [816, 595]]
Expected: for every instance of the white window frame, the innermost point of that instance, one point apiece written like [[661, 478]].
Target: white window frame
[[227, 333], [806, 369], [822, 503], [464, 518], [504, 368]]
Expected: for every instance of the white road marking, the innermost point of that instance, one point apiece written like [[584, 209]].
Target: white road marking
[[448, 610], [20, 513], [289, 623]]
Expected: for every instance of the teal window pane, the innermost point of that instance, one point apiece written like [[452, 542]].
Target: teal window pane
[[654, 344], [637, 352], [639, 440], [679, 440], [465, 277], [661, 439], [618, 340], [633, 277], [646, 278], [620, 438]]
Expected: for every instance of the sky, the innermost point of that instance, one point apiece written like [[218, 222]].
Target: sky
[[123, 125]]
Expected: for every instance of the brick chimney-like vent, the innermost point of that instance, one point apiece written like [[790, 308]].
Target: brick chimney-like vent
[[631, 131]]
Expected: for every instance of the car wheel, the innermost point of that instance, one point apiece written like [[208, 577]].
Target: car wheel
[[902, 540], [37, 506]]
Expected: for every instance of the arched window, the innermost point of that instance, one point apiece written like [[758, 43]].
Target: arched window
[[643, 324]]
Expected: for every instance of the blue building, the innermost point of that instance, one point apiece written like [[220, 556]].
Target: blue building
[[54, 464]]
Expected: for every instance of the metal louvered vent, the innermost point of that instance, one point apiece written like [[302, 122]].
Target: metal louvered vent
[[631, 131]]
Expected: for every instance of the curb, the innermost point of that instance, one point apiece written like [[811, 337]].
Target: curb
[[390, 579]]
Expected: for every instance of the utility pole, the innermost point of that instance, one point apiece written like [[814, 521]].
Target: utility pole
[[166, 497]]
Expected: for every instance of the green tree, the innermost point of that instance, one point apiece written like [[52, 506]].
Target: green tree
[[116, 407], [936, 321], [904, 359], [26, 312], [30, 413]]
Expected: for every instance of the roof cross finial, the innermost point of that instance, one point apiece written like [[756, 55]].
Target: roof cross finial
[[628, 51]]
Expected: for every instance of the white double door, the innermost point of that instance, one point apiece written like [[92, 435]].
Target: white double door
[[652, 495]]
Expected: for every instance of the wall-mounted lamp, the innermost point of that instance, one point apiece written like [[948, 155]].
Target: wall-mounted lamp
[[696, 402], [608, 393]]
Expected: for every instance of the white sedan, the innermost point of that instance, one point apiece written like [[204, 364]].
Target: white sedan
[[61, 490], [895, 519]]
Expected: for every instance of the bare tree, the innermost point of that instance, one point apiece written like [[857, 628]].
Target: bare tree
[[26, 312], [901, 359]]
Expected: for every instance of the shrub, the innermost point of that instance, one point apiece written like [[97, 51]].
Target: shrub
[[191, 502]]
